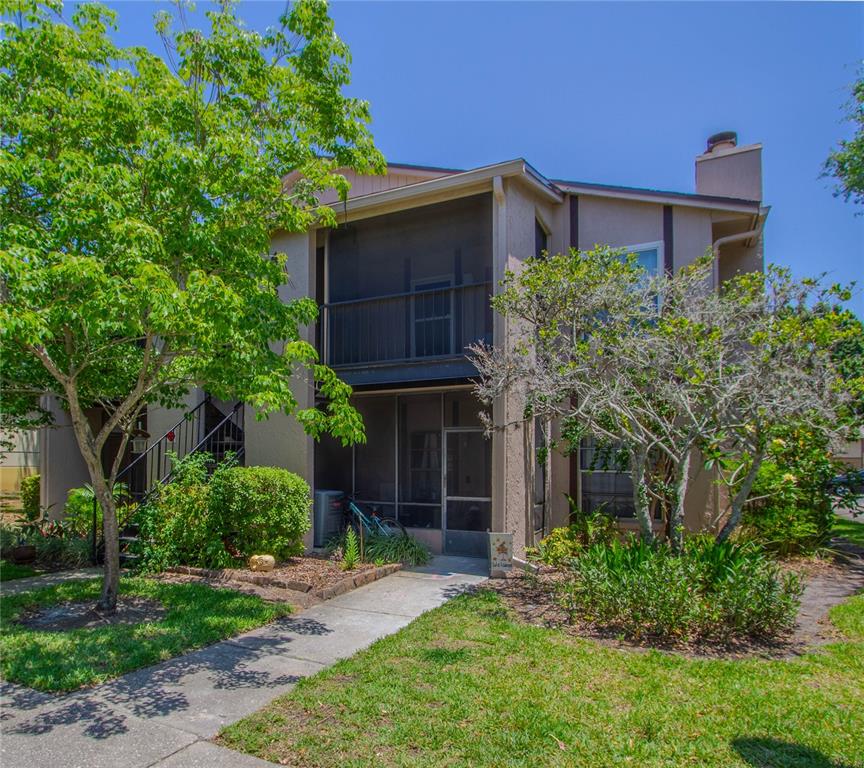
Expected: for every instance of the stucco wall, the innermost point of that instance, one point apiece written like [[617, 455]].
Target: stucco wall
[[691, 228], [738, 258], [279, 440], [618, 223], [60, 462], [513, 450]]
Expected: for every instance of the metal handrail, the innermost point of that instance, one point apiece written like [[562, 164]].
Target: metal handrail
[[187, 417], [406, 294], [164, 479], [217, 427]]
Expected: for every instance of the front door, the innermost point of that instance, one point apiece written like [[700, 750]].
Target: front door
[[468, 492]]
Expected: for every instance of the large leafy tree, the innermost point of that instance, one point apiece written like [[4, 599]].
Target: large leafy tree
[[138, 197], [846, 161]]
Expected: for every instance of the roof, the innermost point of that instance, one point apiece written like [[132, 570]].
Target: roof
[[556, 189], [649, 192]]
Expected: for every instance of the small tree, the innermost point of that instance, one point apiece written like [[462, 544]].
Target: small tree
[[137, 207], [787, 373], [667, 367]]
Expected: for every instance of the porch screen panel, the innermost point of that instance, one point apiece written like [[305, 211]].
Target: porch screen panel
[[420, 461], [332, 465], [396, 283], [375, 461]]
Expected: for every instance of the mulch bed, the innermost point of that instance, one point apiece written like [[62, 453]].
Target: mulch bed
[[301, 581], [828, 582], [83, 614]]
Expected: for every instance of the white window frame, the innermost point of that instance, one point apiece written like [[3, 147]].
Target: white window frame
[[419, 283], [658, 244]]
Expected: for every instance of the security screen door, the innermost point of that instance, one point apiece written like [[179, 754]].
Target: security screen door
[[468, 499]]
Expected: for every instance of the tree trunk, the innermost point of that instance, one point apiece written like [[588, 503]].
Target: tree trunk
[[102, 488], [639, 473], [111, 538], [740, 498], [676, 517]]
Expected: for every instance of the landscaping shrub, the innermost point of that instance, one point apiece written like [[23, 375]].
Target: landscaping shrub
[[585, 529], [61, 551], [260, 510], [30, 496], [792, 507], [175, 527], [9, 537], [400, 548], [710, 590], [350, 550]]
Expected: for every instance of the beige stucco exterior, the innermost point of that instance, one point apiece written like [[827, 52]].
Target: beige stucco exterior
[[573, 214]]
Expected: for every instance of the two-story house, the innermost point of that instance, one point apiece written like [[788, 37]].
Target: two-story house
[[404, 283]]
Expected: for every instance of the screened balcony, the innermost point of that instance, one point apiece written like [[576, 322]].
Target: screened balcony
[[408, 293]]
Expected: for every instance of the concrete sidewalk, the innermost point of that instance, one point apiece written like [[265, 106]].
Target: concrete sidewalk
[[164, 715], [50, 579]]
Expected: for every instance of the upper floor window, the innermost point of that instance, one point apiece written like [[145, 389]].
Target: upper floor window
[[649, 256], [541, 239]]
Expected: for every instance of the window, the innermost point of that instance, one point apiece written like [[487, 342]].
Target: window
[[541, 239], [648, 255], [433, 311], [605, 484]]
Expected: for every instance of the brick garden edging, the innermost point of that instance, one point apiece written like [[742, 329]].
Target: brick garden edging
[[263, 580]]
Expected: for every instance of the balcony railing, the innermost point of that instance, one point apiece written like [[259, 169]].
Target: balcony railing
[[424, 324]]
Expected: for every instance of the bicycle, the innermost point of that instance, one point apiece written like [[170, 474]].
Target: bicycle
[[372, 523]]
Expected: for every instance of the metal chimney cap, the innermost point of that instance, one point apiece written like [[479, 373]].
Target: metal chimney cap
[[724, 137]]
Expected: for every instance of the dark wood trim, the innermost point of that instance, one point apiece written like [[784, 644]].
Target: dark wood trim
[[574, 243], [668, 240]]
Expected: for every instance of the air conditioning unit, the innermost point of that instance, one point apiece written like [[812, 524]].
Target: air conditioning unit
[[327, 516]]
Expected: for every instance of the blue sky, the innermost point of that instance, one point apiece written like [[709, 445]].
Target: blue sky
[[619, 93]]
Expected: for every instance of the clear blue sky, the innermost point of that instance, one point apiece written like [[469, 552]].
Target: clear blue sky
[[619, 93]]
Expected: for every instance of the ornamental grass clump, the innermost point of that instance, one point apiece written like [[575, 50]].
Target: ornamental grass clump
[[714, 591]]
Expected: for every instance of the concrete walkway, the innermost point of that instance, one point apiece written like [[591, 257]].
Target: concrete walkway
[[164, 715], [47, 580]]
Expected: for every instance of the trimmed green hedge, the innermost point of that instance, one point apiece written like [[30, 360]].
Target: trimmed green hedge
[[30, 496], [261, 510], [219, 521]]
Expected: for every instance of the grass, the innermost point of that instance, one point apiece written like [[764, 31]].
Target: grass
[[851, 530], [10, 571], [196, 615], [467, 685]]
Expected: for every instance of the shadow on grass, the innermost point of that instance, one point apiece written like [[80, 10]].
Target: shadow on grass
[[173, 686], [773, 753]]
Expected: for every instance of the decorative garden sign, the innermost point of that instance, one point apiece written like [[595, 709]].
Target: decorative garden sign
[[500, 554]]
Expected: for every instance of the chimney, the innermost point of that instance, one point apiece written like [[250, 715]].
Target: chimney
[[721, 141], [727, 170]]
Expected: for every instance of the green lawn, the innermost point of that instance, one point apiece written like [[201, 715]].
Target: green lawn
[[10, 571], [466, 685], [196, 615], [853, 530]]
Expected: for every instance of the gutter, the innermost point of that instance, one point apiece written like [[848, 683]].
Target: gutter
[[751, 233]]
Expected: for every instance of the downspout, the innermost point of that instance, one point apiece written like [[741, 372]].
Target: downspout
[[755, 232]]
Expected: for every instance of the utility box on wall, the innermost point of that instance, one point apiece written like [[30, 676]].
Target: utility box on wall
[[327, 516]]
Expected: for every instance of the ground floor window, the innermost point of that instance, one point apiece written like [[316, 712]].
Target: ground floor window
[[606, 485]]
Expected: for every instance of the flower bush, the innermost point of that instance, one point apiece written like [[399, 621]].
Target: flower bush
[[791, 507], [585, 530]]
